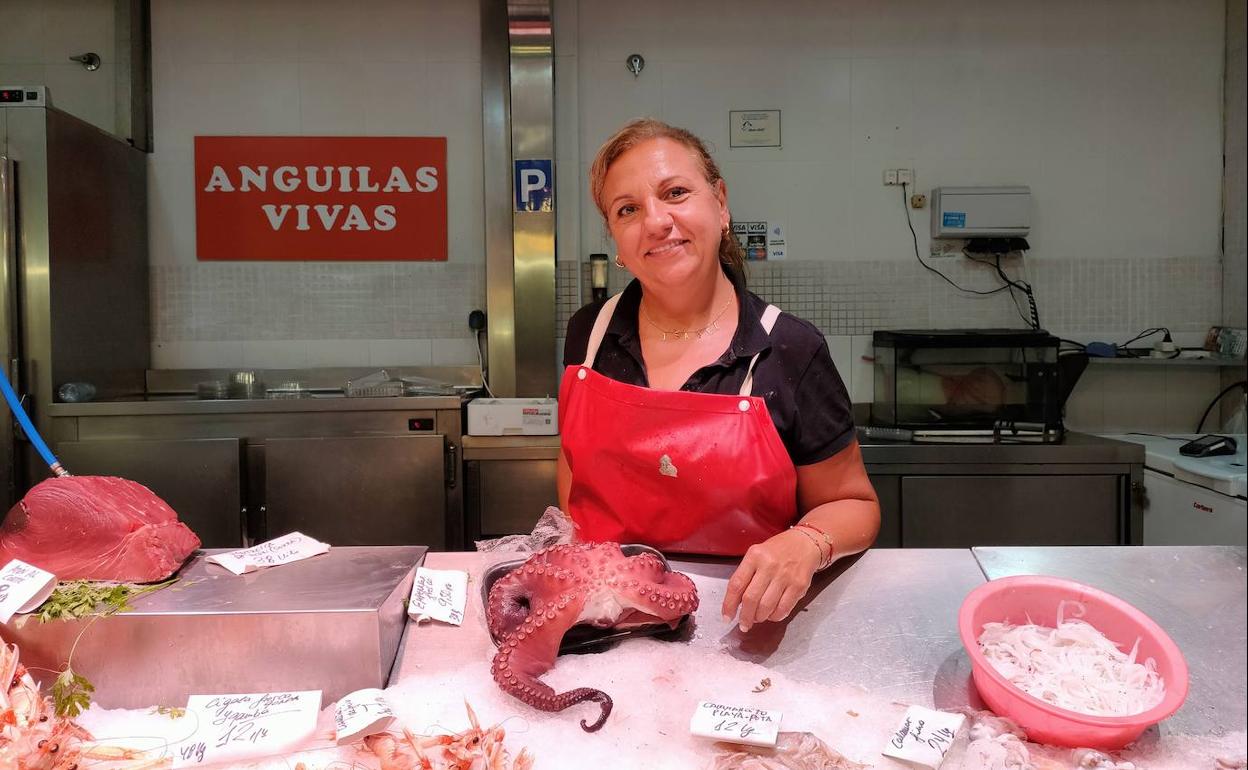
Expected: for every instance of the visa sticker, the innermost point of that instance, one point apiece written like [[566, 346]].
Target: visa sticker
[[955, 219]]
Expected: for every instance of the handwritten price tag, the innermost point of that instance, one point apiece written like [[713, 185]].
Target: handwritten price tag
[[738, 724], [924, 736], [23, 587], [236, 728], [282, 550], [439, 594], [361, 713]]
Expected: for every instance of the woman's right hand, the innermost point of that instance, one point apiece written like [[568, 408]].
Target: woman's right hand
[[772, 578]]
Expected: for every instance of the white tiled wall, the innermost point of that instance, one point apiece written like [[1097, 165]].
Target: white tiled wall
[[1114, 398], [1072, 98], [38, 37], [373, 68], [1235, 200]]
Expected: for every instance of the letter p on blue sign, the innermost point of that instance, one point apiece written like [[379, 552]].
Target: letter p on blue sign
[[534, 185]]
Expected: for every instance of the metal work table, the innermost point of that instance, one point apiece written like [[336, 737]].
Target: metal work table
[[194, 406], [1075, 449], [887, 620], [1196, 593], [931, 495]]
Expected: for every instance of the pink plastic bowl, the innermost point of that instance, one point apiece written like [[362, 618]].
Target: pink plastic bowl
[[1035, 599]]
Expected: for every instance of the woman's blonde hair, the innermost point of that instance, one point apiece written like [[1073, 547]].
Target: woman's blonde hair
[[645, 129]]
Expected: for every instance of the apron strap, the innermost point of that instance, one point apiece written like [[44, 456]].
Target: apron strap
[[600, 330], [769, 322], [603, 320]]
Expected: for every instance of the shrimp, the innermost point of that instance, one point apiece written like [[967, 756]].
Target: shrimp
[[32, 737], [472, 749]]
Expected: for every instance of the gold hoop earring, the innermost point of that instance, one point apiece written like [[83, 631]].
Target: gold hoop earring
[[618, 263]]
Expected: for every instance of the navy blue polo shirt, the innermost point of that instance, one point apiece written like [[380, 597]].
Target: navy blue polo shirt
[[794, 375]]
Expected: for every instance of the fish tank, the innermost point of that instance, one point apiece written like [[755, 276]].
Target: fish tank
[[966, 380]]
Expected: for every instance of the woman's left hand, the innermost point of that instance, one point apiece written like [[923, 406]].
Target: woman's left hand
[[772, 577]]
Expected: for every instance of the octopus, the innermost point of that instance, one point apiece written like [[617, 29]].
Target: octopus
[[530, 608]]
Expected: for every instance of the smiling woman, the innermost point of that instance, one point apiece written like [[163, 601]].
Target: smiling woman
[[695, 417]]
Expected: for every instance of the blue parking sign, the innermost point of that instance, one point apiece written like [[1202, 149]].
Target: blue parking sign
[[534, 184]]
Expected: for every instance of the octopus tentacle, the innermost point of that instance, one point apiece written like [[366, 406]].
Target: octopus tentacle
[[541, 696], [530, 609]]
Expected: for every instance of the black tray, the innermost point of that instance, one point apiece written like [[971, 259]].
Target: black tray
[[585, 638]]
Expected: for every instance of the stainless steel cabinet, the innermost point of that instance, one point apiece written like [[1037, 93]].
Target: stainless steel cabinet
[[967, 511], [888, 489], [201, 479], [382, 490], [367, 471], [506, 497], [508, 482]]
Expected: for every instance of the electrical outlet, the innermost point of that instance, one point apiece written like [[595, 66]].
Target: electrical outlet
[[905, 176], [918, 201], [890, 176]]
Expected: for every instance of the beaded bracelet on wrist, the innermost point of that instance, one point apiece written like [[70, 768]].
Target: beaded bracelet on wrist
[[827, 539], [824, 560]]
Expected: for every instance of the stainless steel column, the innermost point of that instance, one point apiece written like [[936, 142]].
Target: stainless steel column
[[517, 91], [9, 341]]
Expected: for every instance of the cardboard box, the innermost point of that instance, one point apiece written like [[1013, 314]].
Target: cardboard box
[[513, 417]]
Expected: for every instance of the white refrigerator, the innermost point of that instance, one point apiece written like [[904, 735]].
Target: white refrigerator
[[1192, 500]]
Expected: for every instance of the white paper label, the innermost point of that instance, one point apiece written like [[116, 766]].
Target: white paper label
[[237, 728], [361, 713], [439, 594], [924, 736], [282, 550], [23, 587], [738, 724]]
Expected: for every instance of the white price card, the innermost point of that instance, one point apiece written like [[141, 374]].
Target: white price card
[[738, 724], [924, 736], [282, 550], [439, 594], [360, 714], [23, 587], [238, 728]]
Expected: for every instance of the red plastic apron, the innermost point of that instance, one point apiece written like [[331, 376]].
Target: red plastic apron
[[685, 472]]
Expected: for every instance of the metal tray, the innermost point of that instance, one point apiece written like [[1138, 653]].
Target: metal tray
[[582, 638]]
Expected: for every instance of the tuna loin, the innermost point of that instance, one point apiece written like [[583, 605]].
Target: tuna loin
[[96, 528]]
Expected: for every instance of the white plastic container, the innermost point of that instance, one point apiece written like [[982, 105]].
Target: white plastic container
[[513, 417]]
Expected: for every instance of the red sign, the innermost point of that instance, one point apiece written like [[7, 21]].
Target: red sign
[[320, 198]]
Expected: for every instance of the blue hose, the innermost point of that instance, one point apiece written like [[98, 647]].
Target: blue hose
[[28, 427]]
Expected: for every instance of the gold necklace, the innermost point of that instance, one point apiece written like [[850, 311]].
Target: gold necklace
[[686, 334]]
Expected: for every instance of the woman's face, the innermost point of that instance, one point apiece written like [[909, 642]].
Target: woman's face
[[665, 218]]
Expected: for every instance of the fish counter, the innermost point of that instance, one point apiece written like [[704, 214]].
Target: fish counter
[[874, 635], [836, 684]]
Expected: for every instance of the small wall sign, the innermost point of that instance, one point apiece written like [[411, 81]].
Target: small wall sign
[[534, 185], [754, 128], [320, 198]]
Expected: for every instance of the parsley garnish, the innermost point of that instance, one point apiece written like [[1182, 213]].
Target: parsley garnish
[[71, 694], [75, 599]]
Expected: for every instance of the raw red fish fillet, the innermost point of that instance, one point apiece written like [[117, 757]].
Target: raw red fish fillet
[[96, 528]]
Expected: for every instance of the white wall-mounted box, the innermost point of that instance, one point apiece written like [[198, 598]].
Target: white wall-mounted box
[[981, 212]]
